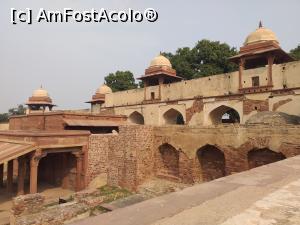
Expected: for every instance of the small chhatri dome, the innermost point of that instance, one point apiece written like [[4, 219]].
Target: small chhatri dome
[[261, 34], [39, 101], [104, 89], [40, 93], [160, 60]]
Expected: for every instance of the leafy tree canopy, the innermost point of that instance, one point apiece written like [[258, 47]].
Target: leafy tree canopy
[[206, 58], [295, 53], [4, 118], [120, 81], [19, 110]]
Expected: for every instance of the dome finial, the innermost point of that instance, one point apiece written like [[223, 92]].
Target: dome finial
[[260, 24]]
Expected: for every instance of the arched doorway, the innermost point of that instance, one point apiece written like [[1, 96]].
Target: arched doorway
[[260, 157], [224, 114], [172, 116], [167, 161], [212, 162], [136, 118]]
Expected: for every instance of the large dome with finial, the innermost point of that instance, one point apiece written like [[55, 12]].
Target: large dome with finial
[[261, 34], [160, 60]]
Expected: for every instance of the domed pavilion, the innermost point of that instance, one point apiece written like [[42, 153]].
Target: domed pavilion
[[159, 72], [260, 48], [40, 101], [99, 97]]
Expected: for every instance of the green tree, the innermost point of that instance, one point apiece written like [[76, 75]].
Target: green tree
[[19, 110], [4, 118], [182, 62], [206, 58], [120, 81], [295, 53]]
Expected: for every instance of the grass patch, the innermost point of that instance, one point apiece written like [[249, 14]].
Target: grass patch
[[113, 193]]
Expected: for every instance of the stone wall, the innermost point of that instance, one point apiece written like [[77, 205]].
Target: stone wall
[[283, 75], [233, 145], [187, 154], [97, 155], [125, 157]]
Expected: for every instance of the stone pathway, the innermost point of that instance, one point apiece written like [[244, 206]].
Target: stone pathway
[[280, 207], [268, 195]]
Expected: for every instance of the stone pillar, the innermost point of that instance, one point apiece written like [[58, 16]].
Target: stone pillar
[[65, 182], [1, 174], [79, 160], [270, 69], [145, 89], [160, 83], [10, 175], [34, 163], [21, 175], [241, 69]]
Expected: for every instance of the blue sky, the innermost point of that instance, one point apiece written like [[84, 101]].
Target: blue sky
[[71, 60]]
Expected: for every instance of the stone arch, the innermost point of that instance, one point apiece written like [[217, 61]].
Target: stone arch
[[172, 116], [167, 162], [224, 114], [136, 118], [212, 162], [264, 156]]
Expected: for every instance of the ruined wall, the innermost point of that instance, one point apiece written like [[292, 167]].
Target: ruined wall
[[98, 155], [233, 141], [125, 157], [187, 154]]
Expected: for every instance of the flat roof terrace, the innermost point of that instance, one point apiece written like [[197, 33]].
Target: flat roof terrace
[[63, 138]]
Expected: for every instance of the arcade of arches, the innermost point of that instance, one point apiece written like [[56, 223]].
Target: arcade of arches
[[209, 164]]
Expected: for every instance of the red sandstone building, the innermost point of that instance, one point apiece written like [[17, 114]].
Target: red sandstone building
[[69, 149], [52, 146]]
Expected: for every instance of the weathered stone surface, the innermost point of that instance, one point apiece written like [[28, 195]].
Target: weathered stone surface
[[78, 196], [27, 204], [53, 216]]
